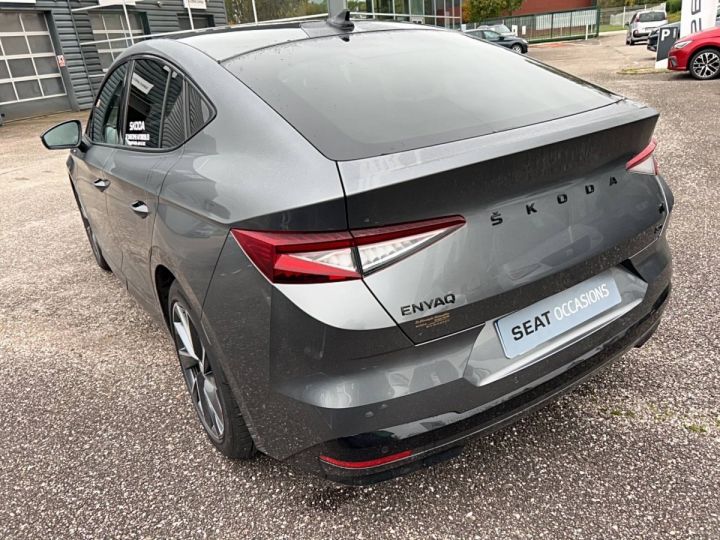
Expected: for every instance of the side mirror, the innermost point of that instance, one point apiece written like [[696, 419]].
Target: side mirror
[[63, 136]]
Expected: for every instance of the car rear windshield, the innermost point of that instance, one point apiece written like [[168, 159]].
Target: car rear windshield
[[378, 93], [651, 16]]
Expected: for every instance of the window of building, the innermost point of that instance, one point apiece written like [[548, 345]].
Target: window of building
[[111, 29], [28, 65], [107, 113], [199, 21]]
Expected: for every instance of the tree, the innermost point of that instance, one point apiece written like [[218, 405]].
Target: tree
[[466, 11], [479, 10], [233, 10], [511, 5]]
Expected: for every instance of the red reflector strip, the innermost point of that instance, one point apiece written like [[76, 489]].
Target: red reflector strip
[[367, 464], [642, 156]]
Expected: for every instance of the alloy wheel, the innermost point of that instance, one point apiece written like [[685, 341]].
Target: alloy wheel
[[198, 373], [706, 65], [516, 48]]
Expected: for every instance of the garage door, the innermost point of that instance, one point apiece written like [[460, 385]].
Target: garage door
[[28, 66]]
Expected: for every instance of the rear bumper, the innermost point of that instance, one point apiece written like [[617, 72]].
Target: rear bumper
[[442, 437]]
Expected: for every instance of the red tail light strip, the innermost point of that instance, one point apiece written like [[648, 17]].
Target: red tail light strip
[[367, 464], [383, 234], [647, 153], [271, 253], [300, 257]]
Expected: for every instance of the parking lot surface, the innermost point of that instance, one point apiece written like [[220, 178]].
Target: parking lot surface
[[98, 437]]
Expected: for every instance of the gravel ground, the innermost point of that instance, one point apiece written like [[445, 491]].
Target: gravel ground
[[99, 439]]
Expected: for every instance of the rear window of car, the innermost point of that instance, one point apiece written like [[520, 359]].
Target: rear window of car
[[378, 93], [651, 16]]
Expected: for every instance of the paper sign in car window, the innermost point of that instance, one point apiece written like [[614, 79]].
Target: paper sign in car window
[[141, 84]]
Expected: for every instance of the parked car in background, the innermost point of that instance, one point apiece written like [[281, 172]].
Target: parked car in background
[[655, 35], [370, 241], [642, 23], [514, 43], [697, 53], [500, 29]]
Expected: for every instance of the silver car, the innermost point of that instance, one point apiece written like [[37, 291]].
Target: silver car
[[643, 23], [371, 241]]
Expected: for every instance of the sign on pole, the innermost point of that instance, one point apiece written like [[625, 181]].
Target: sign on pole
[[195, 4], [667, 36]]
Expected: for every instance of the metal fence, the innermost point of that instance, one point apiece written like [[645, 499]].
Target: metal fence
[[559, 25], [445, 18]]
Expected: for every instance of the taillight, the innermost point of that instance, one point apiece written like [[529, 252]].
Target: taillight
[[299, 257], [644, 162]]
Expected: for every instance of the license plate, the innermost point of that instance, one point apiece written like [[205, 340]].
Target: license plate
[[534, 325]]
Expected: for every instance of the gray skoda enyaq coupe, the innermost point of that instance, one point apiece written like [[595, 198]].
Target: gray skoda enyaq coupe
[[365, 253]]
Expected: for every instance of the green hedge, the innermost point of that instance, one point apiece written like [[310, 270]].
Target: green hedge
[[673, 6]]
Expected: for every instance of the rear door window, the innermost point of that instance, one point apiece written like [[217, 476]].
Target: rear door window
[[164, 109], [145, 103]]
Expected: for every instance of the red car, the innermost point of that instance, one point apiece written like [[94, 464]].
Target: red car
[[697, 53]]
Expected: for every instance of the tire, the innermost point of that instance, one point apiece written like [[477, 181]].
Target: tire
[[705, 64], [207, 385], [94, 246], [517, 48]]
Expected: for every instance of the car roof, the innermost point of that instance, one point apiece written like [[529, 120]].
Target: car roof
[[225, 43]]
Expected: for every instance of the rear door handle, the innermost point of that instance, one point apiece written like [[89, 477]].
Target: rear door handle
[[140, 208], [101, 183]]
